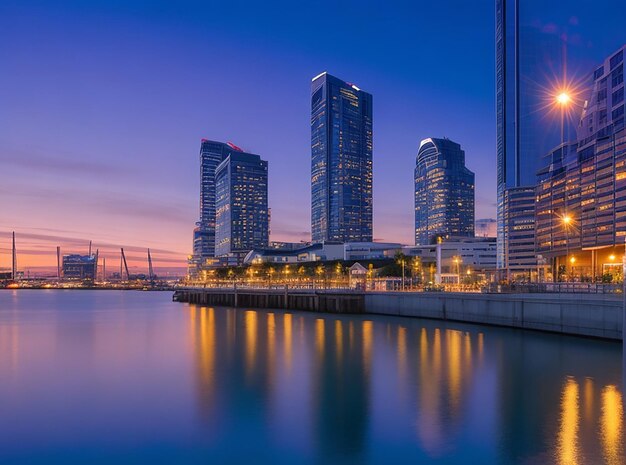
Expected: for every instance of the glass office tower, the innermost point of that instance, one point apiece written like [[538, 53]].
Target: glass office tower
[[541, 47], [212, 153], [242, 215], [444, 192], [341, 161]]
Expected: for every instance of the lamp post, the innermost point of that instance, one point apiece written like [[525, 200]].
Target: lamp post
[[567, 220], [458, 271], [563, 99]]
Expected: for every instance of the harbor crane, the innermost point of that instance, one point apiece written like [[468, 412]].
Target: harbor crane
[[125, 265]]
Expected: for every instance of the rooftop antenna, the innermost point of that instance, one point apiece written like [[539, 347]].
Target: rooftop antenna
[[95, 271], [90, 248]]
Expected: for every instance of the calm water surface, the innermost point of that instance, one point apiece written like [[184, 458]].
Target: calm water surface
[[94, 377]]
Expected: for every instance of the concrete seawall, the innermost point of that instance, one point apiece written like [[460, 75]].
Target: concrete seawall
[[578, 314], [595, 315]]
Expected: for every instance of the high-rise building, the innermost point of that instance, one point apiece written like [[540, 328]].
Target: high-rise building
[[541, 48], [241, 215], [341, 161], [211, 155], [444, 192], [581, 193], [523, 54]]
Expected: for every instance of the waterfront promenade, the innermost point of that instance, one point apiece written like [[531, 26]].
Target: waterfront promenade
[[593, 315]]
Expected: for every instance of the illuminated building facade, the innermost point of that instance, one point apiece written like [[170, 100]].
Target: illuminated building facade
[[541, 48], [444, 192], [519, 227], [581, 194], [341, 161], [212, 153], [241, 215], [79, 267]]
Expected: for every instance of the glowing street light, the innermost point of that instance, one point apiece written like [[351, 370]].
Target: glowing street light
[[563, 98]]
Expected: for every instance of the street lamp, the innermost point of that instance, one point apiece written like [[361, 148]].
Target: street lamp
[[458, 270], [563, 99], [567, 220]]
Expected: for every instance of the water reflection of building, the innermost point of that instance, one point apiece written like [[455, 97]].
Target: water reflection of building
[[342, 368], [246, 372], [449, 369]]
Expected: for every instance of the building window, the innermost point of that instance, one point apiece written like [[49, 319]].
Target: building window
[[598, 73], [618, 96], [616, 59], [618, 112], [617, 76]]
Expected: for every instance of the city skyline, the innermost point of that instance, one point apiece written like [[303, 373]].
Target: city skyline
[[89, 154]]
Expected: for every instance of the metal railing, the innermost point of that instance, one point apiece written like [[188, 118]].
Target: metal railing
[[557, 288]]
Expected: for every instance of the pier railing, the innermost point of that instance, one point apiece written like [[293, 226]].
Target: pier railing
[[491, 288], [558, 288]]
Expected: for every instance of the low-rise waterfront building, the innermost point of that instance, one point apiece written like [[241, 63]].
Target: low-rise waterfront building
[[79, 267], [458, 256], [325, 251]]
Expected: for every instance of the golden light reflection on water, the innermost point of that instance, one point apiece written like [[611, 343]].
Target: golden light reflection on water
[[288, 343], [339, 339], [368, 331], [319, 337], [401, 350], [589, 393], [568, 442], [453, 349], [251, 340], [271, 344], [611, 426], [429, 427]]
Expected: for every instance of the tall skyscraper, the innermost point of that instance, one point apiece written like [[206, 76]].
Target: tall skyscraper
[[444, 192], [341, 161], [541, 48], [211, 155], [242, 216]]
